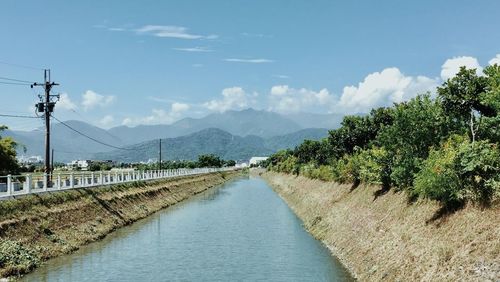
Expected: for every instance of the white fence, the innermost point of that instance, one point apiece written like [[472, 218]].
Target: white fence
[[15, 185]]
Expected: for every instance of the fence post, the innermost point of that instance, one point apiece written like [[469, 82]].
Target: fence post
[[71, 180], [9, 185], [92, 179], [58, 185], [45, 181], [28, 184]]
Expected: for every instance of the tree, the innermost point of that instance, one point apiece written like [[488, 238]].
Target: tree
[[210, 160], [230, 163], [358, 131], [418, 125], [307, 151], [8, 162], [490, 126], [461, 97]]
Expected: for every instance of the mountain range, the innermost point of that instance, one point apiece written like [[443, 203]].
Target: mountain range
[[263, 131], [211, 141]]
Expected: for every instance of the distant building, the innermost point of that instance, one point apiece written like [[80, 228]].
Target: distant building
[[85, 164], [79, 164], [256, 160], [29, 160], [241, 165]]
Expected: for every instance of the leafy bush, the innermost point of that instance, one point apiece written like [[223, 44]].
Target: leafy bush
[[461, 171], [375, 166], [323, 172], [439, 179], [479, 167], [347, 169], [17, 259]]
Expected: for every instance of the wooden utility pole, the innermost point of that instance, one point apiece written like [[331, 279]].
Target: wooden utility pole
[[160, 156]]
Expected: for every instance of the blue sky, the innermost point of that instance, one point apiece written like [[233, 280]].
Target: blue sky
[[148, 62]]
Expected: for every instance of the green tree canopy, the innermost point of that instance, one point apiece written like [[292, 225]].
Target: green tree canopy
[[210, 160], [8, 162]]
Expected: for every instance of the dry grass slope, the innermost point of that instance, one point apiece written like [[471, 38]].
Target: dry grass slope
[[39, 227], [386, 238]]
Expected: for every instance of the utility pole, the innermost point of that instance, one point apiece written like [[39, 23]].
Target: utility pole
[[160, 155], [46, 106], [52, 162]]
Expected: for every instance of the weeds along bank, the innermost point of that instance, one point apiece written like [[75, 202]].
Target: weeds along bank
[[384, 237], [38, 227]]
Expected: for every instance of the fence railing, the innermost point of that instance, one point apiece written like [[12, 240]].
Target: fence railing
[[15, 185]]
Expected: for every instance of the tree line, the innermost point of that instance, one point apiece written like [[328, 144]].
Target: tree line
[[443, 147]]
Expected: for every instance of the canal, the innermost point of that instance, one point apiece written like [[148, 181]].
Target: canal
[[240, 231]]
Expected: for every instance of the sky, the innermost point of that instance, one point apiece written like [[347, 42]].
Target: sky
[[151, 62]]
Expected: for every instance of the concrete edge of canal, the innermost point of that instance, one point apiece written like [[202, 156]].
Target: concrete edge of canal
[[36, 228], [384, 237]]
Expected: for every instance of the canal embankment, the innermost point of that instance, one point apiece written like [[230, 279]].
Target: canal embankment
[[381, 236], [38, 227]]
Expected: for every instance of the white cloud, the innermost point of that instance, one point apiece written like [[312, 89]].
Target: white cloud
[[285, 99], [107, 120], [257, 35], [159, 116], [197, 65], [128, 122], [250, 61], [451, 67], [170, 31], [90, 100], [194, 49], [178, 108], [116, 29], [279, 90], [495, 60], [382, 89], [65, 102], [281, 76], [233, 98]]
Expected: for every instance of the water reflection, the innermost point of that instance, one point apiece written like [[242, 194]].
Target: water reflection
[[241, 231]]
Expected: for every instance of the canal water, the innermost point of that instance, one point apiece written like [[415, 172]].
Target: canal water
[[240, 231]]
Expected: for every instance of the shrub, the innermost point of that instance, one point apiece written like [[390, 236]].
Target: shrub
[[347, 169], [439, 178], [479, 167], [460, 171], [323, 172], [16, 259]]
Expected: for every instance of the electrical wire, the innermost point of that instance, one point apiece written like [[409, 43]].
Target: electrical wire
[[17, 116], [91, 138], [15, 83], [20, 66], [16, 80]]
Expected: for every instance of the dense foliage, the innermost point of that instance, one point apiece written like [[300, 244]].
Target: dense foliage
[[8, 163], [444, 148], [206, 160]]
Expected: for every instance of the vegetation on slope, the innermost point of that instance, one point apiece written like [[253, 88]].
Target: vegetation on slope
[[444, 148]]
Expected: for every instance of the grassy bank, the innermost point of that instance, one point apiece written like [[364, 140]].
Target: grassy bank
[[383, 237], [39, 227]]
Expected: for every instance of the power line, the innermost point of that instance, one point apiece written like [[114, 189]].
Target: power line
[[15, 83], [17, 116], [91, 138], [20, 66], [16, 80]]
